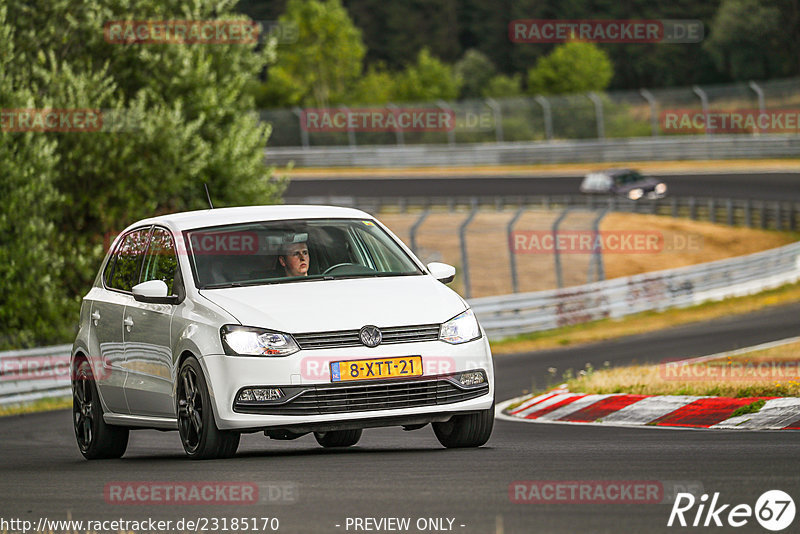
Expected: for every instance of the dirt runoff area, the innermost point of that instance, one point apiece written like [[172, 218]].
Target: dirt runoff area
[[630, 244]]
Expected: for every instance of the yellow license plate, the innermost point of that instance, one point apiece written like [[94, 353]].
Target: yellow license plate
[[376, 368]]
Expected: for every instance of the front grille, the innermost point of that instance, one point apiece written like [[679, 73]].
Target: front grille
[[336, 398], [349, 338]]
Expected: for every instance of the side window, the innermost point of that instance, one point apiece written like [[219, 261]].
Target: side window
[[109, 269], [128, 259], [160, 262]]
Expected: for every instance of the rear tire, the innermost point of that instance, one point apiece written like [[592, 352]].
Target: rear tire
[[201, 438], [338, 438], [470, 430], [96, 439]]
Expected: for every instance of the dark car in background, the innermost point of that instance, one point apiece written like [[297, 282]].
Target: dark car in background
[[629, 183]]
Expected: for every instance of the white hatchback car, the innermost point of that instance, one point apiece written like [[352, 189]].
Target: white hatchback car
[[277, 319]]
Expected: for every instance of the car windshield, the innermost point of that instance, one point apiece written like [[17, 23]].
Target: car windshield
[[294, 251], [628, 177]]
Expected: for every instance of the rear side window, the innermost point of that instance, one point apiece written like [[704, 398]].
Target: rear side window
[[160, 263], [128, 260]]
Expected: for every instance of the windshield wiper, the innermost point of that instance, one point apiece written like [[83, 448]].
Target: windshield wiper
[[222, 285]]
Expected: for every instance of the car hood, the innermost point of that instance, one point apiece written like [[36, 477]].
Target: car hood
[[323, 305]]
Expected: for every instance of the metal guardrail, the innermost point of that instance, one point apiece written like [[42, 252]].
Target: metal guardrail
[[684, 147], [27, 375], [765, 214], [32, 374], [509, 315]]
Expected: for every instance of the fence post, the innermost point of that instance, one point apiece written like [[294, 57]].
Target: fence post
[[498, 118], [761, 105], [451, 134], [729, 208], [647, 95], [712, 210], [303, 132], [351, 133], [462, 234], [703, 102], [763, 214], [792, 215], [398, 132], [512, 255], [556, 255], [748, 213], [674, 202], [415, 227], [778, 216], [693, 208], [548, 116], [598, 113], [597, 251]]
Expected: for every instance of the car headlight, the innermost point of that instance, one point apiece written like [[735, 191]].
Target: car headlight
[[251, 341], [460, 329], [635, 194], [661, 188]]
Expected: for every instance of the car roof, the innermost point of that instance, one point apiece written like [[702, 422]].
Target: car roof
[[616, 172], [188, 220]]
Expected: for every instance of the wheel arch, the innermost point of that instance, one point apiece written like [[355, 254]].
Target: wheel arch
[[182, 357]]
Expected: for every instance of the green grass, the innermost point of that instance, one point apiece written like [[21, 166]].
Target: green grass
[[754, 407], [41, 405]]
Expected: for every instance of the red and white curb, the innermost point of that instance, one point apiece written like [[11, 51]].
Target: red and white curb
[[676, 411], [561, 406]]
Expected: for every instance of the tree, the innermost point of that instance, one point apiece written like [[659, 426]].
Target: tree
[[748, 39], [325, 60], [376, 86], [502, 86], [574, 67], [30, 298], [475, 69], [426, 80], [190, 120]]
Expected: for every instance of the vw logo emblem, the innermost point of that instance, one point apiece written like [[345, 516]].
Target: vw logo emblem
[[370, 336]]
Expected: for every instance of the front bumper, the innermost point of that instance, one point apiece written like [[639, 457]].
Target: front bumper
[[305, 375]]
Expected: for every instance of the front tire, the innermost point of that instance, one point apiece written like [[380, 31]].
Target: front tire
[[338, 438], [96, 439], [470, 430], [201, 438]]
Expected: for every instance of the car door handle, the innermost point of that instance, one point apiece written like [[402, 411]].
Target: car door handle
[[128, 322], [96, 317]]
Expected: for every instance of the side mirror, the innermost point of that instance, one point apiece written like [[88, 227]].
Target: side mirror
[[153, 292], [441, 271]]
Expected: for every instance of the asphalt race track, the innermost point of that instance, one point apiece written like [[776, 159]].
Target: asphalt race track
[[392, 473], [760, 186]]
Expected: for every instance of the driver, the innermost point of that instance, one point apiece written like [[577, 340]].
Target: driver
[[295, 259]]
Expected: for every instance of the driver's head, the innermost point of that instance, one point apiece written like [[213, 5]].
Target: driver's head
[[295, 259]]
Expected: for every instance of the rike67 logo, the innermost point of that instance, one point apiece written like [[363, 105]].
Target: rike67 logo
[[774, 510]]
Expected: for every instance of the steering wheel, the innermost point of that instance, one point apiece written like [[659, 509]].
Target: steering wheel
[[333, 267]]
